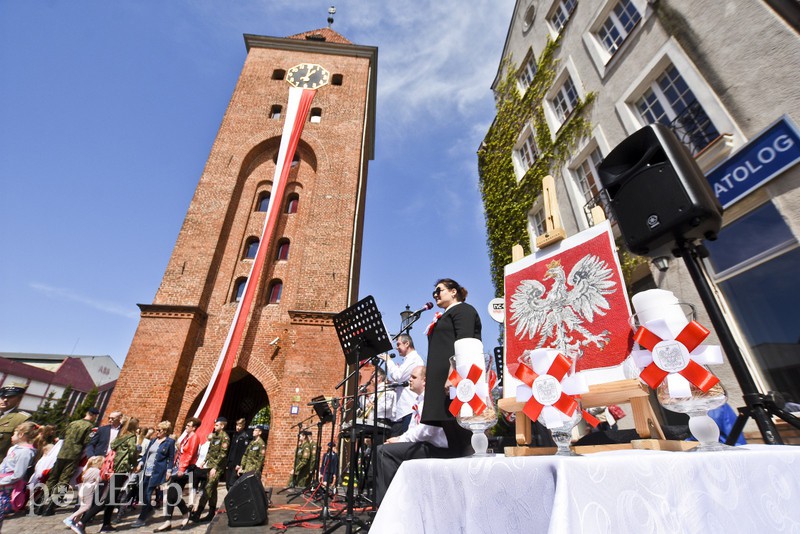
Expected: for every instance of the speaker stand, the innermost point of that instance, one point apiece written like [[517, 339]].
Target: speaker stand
[[758, 406]]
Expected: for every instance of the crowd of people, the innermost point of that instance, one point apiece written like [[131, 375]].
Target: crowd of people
[[114, 467]]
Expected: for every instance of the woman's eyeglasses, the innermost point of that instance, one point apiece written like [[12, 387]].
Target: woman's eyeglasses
[[436, 292]]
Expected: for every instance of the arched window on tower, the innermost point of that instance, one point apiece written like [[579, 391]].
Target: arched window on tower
[[250, 248], [275, 112], [283, 250], [274, 293], [263, 201], [238, 289], [316, 115], [295, 159], [291, 203]]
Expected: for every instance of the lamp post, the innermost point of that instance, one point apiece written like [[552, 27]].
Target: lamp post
[[405, 317]]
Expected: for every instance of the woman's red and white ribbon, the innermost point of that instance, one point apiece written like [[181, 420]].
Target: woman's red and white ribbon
[[468, 392], [677, 358], [436, 318], [547, 389]]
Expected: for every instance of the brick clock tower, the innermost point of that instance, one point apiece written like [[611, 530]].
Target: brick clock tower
[[289, 351]]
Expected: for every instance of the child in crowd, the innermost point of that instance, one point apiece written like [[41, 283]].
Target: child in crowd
[[91, 479], [14, 469]]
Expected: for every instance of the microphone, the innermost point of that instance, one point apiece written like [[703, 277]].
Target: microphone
[[397, 384], [428, 306]]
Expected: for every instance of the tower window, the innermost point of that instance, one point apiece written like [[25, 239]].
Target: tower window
[[291, 203], [275, 112], [251, 248], [263, 201], [275, 290], [238, 289], [337, 79], [278, 74], [316, 115], [283, 250], [295, 159]]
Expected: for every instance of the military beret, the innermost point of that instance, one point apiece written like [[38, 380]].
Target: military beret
[[221, 420], [306, 432], [262, 428], [93, 410], [12, 390]]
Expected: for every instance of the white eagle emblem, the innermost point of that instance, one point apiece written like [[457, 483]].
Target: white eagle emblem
[[563, 315]]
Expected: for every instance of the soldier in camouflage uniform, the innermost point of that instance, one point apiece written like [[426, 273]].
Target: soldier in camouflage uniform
[[303, 467], [216, 458], [253, 459], [76, 437], [10, 414]]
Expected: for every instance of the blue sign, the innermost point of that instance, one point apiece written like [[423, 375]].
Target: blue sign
[[766, 156]]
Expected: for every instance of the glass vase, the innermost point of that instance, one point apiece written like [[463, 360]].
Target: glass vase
[[478, 423], [693, 402], [558, 423]]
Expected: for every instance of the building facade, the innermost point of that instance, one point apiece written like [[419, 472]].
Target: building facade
[[290, 351], [50, 374], [719, 73]]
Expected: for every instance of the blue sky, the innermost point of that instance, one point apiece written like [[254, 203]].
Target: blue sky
[[107, 115]]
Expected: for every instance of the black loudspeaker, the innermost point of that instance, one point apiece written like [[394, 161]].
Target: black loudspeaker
[[657, 193], [246, 501]]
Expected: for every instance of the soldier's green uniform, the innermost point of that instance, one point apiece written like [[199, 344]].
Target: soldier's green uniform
[[302, 470], [216, 458], [8, 422], [253, 459], [76, 437]]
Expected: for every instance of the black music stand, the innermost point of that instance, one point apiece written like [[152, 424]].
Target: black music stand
[[362, 336]]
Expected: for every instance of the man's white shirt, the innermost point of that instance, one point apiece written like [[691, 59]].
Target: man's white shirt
[[405, 398], [418, 432]]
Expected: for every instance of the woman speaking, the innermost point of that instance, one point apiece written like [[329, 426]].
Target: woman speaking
[[459, 321]]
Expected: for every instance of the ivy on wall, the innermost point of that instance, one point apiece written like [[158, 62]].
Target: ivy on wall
[[507, 201]]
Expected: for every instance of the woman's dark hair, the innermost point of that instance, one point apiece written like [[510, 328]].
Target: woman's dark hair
[[449, 283]]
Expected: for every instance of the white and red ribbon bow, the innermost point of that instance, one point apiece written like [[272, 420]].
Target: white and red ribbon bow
[[468, 390], [547, 390], [678, 359], [429, 328]]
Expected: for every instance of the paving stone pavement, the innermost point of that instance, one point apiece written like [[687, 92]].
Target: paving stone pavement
[[281, 511]]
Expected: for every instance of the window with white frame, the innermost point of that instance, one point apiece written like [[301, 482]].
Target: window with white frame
[[618, 25], [561, 14], [538, 222], [586, 175], [525, 152], [527, 72], [669, 100], [565, 99]]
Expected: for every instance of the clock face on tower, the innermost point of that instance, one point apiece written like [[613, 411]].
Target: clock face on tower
[[307, 76]]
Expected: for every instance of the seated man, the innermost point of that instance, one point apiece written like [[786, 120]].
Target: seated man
[[419, 441]]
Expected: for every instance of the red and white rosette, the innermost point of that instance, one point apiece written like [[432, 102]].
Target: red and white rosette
[[672, 352], [547, 389], [470, 392]]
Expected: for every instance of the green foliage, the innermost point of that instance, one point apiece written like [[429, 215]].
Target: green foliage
[[506, 200], [263, 417], [87, 402], [52, 413]]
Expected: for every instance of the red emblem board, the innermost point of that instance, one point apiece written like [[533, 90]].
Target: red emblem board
[[570, 297]]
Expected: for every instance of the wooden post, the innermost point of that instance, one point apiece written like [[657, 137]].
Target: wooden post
[[552, 221], [522, 423]]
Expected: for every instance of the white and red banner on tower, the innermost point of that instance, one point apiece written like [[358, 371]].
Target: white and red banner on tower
[[297, 110]]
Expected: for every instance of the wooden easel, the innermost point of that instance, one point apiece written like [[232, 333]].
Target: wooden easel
[[619, 392]]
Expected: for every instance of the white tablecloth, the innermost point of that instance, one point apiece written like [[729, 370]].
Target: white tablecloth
[[751, 489]]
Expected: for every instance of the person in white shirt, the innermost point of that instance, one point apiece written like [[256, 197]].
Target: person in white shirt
[[385, 400], [419, 441], [404, 397]]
